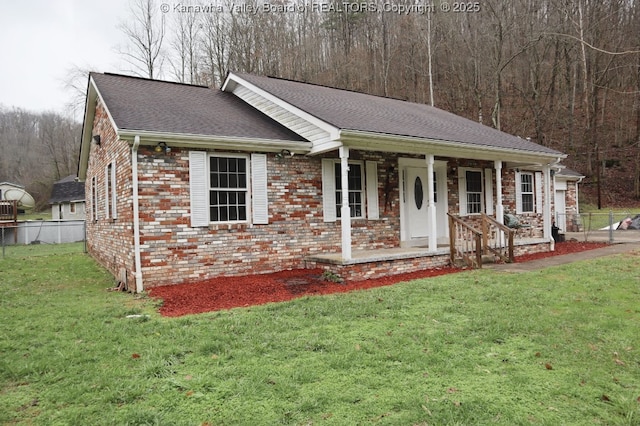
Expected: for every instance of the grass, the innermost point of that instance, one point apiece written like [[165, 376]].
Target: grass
[[594, 219], [558, 346], [22, 251], [31, 215]]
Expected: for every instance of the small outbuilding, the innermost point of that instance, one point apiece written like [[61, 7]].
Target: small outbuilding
[[67, 199]]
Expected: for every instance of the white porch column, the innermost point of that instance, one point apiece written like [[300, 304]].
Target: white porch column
[[345, 211], [546, 209], [431, 206], [499, 207]]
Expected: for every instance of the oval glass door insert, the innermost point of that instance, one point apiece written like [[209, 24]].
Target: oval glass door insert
[[418, 193]]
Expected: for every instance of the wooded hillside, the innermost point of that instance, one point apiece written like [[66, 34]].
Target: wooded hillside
[[37, 149], [565, 73]]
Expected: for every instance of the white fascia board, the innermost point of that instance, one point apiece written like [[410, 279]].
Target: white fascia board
[[93, 94], [233, 80], [185, 140], [413, 145], [325, 146]]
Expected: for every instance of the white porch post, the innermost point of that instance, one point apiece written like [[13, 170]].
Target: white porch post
[[499, 207], [345, 211], [546, 210], [431, 206], [497, 165]]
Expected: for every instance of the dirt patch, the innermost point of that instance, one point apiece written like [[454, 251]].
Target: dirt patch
[[232, 292]]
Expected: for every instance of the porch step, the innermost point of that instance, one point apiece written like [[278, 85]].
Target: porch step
[[489, 258], [486, 259]]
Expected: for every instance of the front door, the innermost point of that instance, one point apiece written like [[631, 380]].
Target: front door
[[415, 203]]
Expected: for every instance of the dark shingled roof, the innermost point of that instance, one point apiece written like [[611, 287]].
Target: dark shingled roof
[[160, 106], [570, 173], [67, 189], [349, 110]]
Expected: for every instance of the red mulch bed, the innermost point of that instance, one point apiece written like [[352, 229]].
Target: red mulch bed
[[232, 292]]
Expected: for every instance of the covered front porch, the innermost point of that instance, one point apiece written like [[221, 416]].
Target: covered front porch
[[430, 188]]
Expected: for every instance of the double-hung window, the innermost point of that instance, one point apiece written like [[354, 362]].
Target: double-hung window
[[228, 189], [356, 188], [526, 192], [474, 191]]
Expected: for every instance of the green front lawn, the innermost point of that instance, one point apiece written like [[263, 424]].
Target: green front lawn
[[559, 346]]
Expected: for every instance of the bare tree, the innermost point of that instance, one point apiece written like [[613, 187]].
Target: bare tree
[[185, 45], [145, 32]]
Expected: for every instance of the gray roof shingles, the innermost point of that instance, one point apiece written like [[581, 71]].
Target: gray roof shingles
[[67, 189], [349, 110], [160, 106]]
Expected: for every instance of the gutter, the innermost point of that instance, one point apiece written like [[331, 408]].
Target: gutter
[[188, 140], [136, 215], [359, 139]]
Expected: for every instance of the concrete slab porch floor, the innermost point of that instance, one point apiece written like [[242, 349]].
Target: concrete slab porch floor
[[370, 264], [397, 253]]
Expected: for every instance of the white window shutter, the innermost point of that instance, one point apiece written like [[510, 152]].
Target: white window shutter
[[198, 188], [373, 209], [538, 190], [114, 192], [329, 190], [462, 191], [259, 197], [518, 193], [488, 191]]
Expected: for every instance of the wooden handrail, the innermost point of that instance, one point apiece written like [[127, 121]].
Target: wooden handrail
[[473, 243], [497, 248], [466, 245]]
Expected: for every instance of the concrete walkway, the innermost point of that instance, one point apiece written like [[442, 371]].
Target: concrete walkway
[[535, 265]]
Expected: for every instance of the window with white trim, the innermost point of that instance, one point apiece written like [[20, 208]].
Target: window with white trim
[[228, 189], [356, 189], [94, 199], [474, 191], [363, 189], [526, 192], [110, 191]]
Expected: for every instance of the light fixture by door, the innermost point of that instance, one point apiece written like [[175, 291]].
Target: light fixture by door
[[162, 147], [284, 153]]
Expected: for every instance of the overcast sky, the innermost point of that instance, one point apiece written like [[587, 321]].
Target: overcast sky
[[41, 40]]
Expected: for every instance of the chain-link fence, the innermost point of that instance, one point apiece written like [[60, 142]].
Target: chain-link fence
[[610, 226], [36, 237]]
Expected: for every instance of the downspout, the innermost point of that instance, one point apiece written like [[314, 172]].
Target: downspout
[[136, 216]]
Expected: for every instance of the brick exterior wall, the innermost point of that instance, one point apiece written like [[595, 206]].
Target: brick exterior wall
[[172, 251], [110, 241]]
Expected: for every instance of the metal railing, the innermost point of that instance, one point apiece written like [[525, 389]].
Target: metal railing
[[611, 226]]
